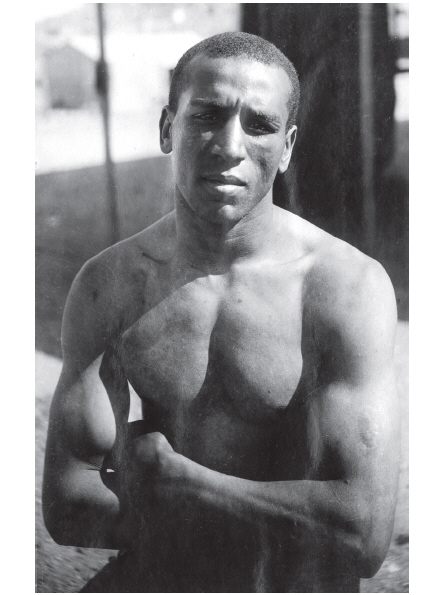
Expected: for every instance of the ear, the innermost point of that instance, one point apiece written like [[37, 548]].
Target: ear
[[165, 137], [290, 139]]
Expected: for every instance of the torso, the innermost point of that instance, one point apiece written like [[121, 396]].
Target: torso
[[217, 362], [222, 364]]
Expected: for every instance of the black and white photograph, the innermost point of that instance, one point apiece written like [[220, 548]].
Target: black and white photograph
[[222, 297]]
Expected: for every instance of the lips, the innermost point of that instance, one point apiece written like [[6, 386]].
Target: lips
[[223, 180]]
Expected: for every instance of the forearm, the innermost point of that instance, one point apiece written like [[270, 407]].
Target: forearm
[[326, 518], [303, 505]]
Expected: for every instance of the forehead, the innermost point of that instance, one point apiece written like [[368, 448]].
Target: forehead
[[235, 80]]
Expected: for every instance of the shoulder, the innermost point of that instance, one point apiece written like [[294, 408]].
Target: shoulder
[[342, 282], [349, 304], [338, 278], [121, 262], [108, 292]]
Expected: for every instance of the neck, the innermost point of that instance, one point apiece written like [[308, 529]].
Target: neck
[[207, 245]]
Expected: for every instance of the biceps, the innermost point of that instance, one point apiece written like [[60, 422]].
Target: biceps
[[359, 428], [81, 421]]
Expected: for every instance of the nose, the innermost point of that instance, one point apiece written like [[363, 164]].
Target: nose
[[229, 142]]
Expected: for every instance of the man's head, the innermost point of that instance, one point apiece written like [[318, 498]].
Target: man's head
[[235, 45], [229, 125]]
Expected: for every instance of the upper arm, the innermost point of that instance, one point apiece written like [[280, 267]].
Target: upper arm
[[81, 424], [78, 507], [354, 415]]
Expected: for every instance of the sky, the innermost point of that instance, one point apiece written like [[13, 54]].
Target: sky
[[44, 10]]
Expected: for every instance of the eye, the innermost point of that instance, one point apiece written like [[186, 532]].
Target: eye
[[257, 126], [206, 117]]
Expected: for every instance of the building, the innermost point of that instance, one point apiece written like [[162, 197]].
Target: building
[[139, 68]]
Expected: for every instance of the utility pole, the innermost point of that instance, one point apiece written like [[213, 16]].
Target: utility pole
[[367, 125], [102, 87]]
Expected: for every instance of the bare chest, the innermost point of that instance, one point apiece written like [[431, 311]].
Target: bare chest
[[244, 343]]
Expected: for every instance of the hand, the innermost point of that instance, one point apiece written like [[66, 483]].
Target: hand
[[156, 467], [145, 470], [152, 487]]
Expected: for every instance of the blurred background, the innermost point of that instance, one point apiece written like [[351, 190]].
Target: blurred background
[[101, 78]]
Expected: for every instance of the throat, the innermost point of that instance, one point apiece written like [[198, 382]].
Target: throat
[[212, 247]]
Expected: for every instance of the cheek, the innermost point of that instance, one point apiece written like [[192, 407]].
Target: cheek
[[207, 136], [191, 146], [267, 159]]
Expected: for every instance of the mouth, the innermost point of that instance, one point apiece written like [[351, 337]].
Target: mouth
[[221, 180]]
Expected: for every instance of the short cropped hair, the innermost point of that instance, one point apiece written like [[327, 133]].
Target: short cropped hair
[[235, 45]]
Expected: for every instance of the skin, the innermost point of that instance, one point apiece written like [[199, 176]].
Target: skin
[[265, 456]]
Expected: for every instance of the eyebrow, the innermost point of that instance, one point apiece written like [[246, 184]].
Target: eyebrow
[[206, 103], [269, 117]]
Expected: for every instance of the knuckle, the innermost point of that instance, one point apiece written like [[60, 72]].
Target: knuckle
[[144, 448], [159, 438], [150, 449]]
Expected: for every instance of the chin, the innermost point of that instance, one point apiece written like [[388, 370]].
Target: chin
[[215, 208], [229, 213], [221, 214]]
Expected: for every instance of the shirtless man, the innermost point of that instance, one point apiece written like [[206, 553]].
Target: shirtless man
[[261, 349]]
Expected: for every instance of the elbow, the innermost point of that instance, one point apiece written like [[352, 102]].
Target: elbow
[[370, 562], [54, 528], [57, 523], [54, 508], [355, 549], [371, 558], [361, 545], [62, 517], [365, 563], [66, 526], [373, 545], [73, 522], [60, 537], [58, 507]]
